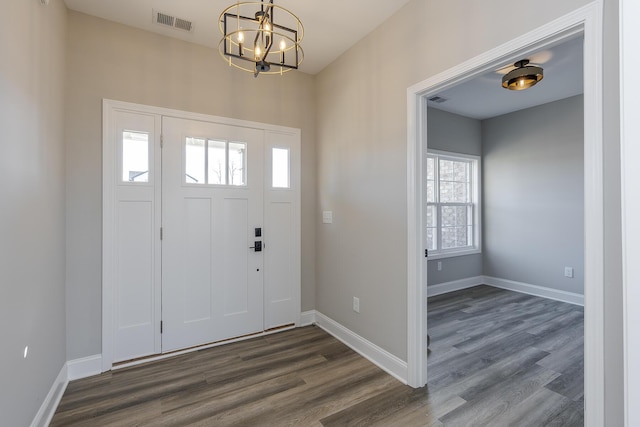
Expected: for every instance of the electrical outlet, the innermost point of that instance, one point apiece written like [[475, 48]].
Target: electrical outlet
[[568, 272], [439, 265], [356, 304]]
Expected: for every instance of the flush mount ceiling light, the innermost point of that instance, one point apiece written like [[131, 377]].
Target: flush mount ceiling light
[[261, 37], [522, 77]]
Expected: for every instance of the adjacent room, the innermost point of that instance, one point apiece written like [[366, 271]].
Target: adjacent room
[[505, 227]]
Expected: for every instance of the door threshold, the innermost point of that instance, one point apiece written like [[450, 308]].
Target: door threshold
[[156, 357]]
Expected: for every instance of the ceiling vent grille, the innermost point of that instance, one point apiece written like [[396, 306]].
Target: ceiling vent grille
[[171, 21], [438, 99]]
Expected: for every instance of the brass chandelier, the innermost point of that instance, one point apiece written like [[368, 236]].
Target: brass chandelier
[[254, 41]]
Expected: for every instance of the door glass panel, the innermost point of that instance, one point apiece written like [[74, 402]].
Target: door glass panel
[[237, 162], [194, 170], [135, 156], [280, 168], [217, 162]]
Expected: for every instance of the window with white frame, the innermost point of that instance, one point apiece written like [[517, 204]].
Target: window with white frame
[[452, 204]]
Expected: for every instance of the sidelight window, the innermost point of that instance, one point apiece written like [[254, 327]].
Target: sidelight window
[[135, 156]]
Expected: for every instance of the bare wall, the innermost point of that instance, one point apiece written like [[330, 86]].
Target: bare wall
[[533, 195], [109, 60], [32, 222], [361, 145]]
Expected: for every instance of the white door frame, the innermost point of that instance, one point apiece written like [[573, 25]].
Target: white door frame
[[588, 22], [109, 107], [629, 155]]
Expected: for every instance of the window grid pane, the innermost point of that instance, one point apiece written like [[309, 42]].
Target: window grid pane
[[216, 162], [237, 161], [195, 161], [450, 203]]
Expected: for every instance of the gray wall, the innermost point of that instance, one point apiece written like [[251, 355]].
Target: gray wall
[[32, 240], [533, 195], [109, 60], [613, 295], [361, 146], [457, 134]]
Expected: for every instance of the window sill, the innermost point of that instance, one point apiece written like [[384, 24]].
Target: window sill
[[454, 254]]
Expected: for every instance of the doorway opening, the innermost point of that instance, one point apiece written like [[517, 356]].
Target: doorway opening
[[586, 23]]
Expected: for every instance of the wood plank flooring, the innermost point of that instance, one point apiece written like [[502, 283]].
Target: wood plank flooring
[[497, 358]]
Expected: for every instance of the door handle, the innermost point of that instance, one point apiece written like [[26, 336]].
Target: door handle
[[257, 246]]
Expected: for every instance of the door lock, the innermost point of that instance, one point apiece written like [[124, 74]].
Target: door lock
[[257, 246]]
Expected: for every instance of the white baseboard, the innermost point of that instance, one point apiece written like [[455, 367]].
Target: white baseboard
[[456, 285], [307, 318], [380, 357], [84, 367], [50, 403], [540, 291]]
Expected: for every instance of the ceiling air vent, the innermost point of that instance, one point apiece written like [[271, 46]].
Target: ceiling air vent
[[171, 21], [438, 99]]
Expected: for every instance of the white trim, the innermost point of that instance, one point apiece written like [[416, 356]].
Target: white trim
[[50, 404], [455, 285], [180, 114], [630, 153], [587, 21], [539, 291], [376, 355], [84, 367], [307, 318]]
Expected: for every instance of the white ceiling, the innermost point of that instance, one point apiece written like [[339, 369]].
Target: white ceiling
[[331, 26], [484, 97]]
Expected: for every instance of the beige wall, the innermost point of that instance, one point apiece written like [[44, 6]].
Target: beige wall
[[32, 239], [109, 60]]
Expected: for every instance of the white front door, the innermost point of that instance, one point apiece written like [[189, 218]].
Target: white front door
[[212, 208], [208, 185]]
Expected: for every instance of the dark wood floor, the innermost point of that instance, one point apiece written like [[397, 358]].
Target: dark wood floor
[[497, 358]]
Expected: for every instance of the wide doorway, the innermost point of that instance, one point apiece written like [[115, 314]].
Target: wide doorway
[[201, 230]]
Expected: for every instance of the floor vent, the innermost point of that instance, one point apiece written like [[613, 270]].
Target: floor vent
[[438, 99], [171, 21]]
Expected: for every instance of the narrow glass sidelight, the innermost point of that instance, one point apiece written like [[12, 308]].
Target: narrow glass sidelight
[[135, 156], [280, 168]]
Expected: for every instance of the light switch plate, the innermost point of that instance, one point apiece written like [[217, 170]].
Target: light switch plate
[[327, 217]]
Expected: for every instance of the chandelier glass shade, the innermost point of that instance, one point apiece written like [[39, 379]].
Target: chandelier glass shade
[[523, 76], [261, 37]]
